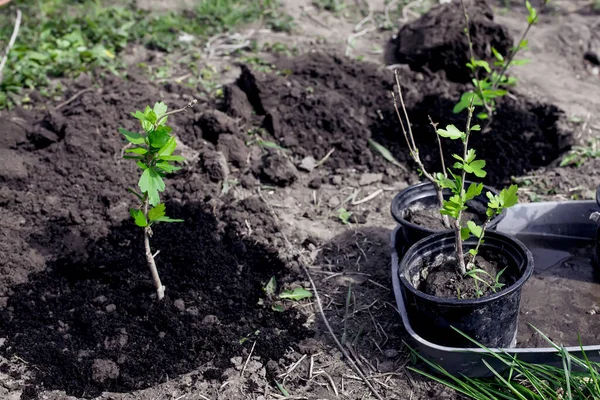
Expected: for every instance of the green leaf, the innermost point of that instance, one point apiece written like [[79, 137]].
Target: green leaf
[[473, 191], [271, 145], [156, 212], [464, 233], [476, 230], [482, 115], [168, 148], [146, 124], [138, 217], [159, 137], [509, 196], [473, 252], [476, 167], [150, 115], [132, 137], [168, 168], [465, 100], [497, 54], [172, 158], [151, 182], [126, 157], [492, 94], [271, 287], [532, 18], [476, 128], [451, 132], [524, 43], [385, 153], [296, 294], [137, 150], [470, 156], [277, 308], [160, 109], [142, 165], [139, 196], [520, 62]]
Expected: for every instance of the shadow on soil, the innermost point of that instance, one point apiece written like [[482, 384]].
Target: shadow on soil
[[89, 323]]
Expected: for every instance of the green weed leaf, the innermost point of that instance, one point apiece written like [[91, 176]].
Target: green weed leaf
[[498, 56], [171, 158], [532, 18], [138, 217], [473, 252], [167, 219], [277, 308], [476, 167], [151, 182], [271, 287], [142, 165], [475, 128], [132, 137], [296, 294]]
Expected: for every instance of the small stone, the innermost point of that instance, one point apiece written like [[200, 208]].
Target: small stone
[[307, 164], [386, 366], [369, 178], [193, 311], [253, 366], [162, 335], [336, 180], [237, 362], [592, 312], [2, 341], [275, 168], [210, 320], [100, 299], [103, 370], [391, 353], [334, 202], [179, 304], [111, 308]]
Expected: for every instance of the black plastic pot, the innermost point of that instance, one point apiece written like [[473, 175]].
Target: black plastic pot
[[491, 320], [425, 194]]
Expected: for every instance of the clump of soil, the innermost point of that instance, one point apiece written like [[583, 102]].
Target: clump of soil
[[437, 40], [440, 279]]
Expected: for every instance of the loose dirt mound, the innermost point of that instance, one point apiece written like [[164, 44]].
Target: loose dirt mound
[[75, 290], [437, 40], [329, 102]]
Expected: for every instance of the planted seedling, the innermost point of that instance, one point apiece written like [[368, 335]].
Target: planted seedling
[[492, 84], [153, 152]]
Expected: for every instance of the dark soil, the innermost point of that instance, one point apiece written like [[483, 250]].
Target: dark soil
[[437, 40], [443, 281], [76, 293], [75, 319], [322, 105], [430, 217]]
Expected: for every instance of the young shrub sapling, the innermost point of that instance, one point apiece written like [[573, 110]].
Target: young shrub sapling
[[153, 152], [454, 179]]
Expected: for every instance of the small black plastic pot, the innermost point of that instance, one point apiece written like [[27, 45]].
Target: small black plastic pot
[[491, 320], [425, 194]]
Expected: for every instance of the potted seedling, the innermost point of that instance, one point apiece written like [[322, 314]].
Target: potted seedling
[[467, 277], [152, 151]]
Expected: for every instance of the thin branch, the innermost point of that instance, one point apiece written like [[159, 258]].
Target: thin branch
[[11, 43], [188, 105], [73, 98], [248, 359], [439, 141], [160, 289]]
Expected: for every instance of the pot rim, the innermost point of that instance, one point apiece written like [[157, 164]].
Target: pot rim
[[467, 302], [493, 222]]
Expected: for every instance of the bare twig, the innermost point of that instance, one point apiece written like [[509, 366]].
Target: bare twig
[[413, 149], [73, 98], [248, 359], [368, 198], [322, 160], [350, 39], [11, 43], [160, 289], [439, 141]]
